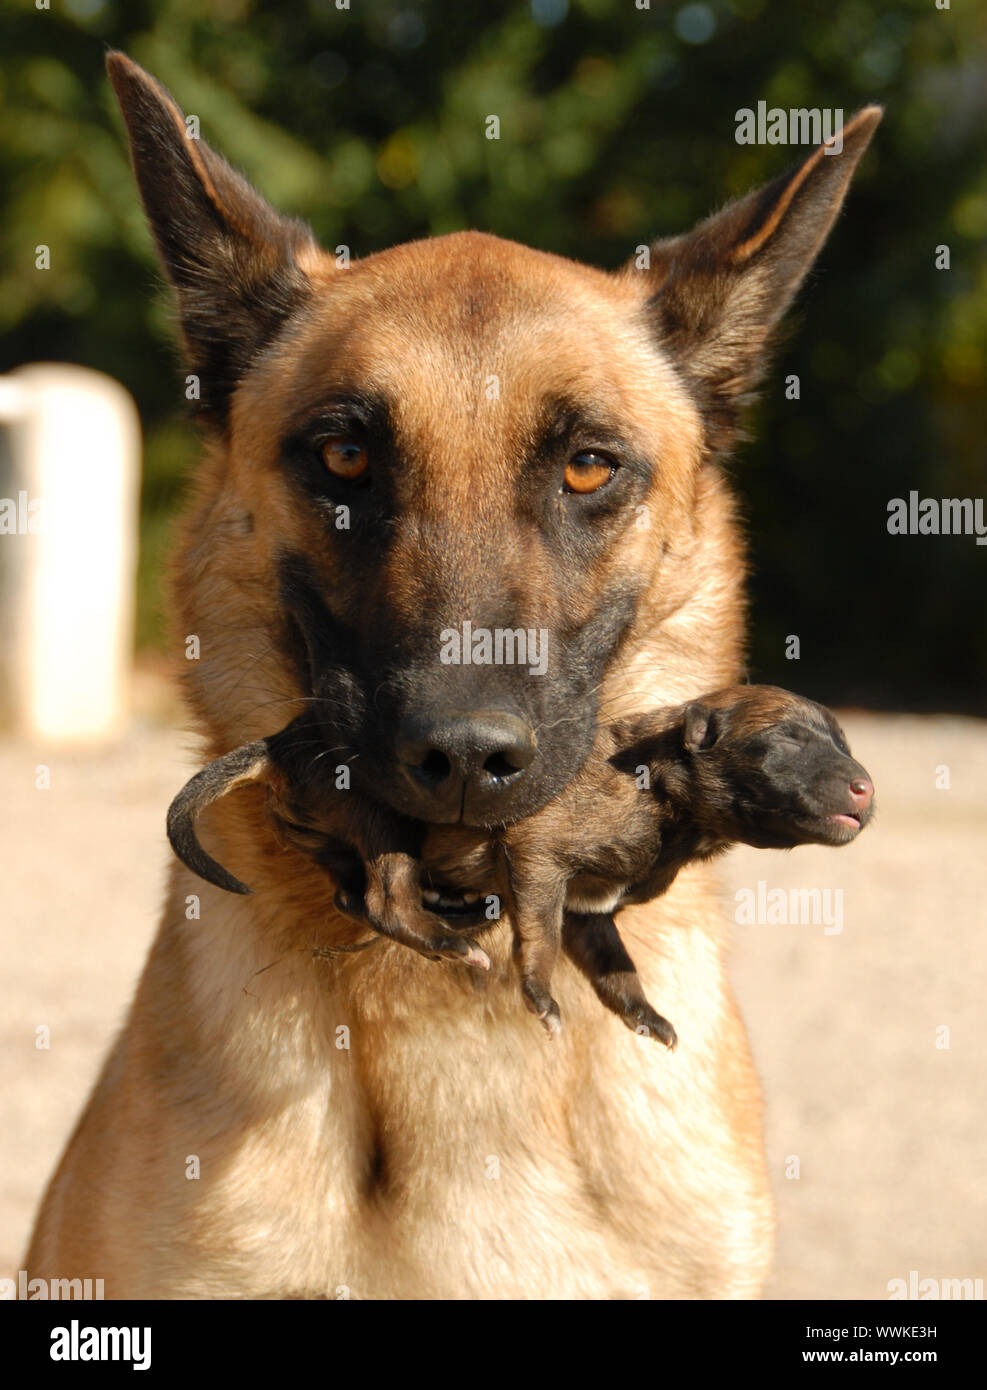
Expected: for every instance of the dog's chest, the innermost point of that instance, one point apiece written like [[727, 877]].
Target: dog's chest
[[375, 1128], [434, 1180], [464, 1159]]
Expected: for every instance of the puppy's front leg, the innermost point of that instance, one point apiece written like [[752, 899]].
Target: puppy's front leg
[[390, 849], [393, 901], [593, 944]]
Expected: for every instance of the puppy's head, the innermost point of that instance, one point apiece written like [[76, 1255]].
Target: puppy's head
[[771, 769], [451, 483]]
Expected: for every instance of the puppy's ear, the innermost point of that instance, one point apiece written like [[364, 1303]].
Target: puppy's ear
[[715, 295], [237, 266], [700, 727]]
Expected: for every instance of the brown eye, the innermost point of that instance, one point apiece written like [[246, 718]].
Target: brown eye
[[345, 458], [588, 472]]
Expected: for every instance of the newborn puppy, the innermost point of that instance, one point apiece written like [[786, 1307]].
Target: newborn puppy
[[749, 763]]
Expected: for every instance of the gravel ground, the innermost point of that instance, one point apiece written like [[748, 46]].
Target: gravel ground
[[883, 1128]]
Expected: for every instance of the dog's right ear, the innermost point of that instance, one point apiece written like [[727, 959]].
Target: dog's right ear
[[716, 294], [700, 727], [237, 266]]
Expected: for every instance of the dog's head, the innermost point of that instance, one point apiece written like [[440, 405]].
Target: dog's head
[[452, 481], [770, 769]]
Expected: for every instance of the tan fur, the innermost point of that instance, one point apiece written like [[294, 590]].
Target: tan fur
[[440, 1147]]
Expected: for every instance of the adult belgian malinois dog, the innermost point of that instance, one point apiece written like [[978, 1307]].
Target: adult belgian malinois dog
[[459, 430]]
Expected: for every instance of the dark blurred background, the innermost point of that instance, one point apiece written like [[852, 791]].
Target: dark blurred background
[[617, 125]]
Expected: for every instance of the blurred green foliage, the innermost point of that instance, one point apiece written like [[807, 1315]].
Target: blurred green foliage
[[617, 124]]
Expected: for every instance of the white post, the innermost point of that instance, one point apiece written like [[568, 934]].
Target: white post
[[68, 551]]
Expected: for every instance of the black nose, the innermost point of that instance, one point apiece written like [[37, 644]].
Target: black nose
[[464, 761]]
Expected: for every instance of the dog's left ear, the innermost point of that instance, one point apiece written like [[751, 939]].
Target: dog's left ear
[[237, 266], [715, 294]]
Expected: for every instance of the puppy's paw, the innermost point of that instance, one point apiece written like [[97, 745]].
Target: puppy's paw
[[648, 1023], [539, 1001]]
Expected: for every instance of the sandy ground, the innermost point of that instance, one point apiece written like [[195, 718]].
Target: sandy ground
[[885, 1129]]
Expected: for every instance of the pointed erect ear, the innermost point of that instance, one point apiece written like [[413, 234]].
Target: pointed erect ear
[[700, 727], [234, 262], [716, 294]]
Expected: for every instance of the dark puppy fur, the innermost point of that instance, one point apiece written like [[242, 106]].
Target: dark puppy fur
[[748, 763], [371, 852]]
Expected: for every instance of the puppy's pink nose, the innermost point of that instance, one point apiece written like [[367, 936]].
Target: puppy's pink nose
[[861, 792]]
